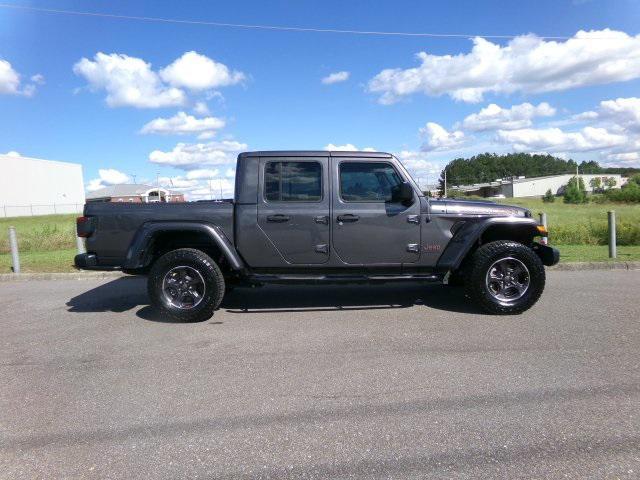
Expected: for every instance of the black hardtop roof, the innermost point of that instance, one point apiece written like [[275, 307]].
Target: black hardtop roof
[[312, 153]]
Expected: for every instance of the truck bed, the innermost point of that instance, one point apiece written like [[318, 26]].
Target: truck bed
[[116, 223]]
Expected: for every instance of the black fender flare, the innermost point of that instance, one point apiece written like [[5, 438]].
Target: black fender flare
[[472, 230], [138, 252]]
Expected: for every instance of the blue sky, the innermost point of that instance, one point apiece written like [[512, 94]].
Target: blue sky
[[260, 89]]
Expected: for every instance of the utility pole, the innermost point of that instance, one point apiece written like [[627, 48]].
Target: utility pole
[[445, 182], [220, 185]]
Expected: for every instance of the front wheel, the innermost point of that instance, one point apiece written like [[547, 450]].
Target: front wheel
[[186, 285], [505, 277]]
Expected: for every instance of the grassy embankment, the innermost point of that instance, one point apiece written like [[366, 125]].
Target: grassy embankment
[[47, 243]]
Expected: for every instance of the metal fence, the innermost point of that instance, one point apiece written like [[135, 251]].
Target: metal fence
[[35, 210]]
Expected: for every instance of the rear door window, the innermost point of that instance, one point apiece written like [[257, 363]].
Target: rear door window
[[293, 182]]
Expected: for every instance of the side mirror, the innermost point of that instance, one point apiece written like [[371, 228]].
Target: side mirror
[[403, 194]]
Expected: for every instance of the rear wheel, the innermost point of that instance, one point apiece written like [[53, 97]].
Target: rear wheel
[[505, 277], [186, 285]]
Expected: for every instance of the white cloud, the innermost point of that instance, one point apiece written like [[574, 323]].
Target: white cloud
[[623, 112], [525, 64], [111, 176], [494, 117], [203, 173], [419, 165], [192, 156], [201, 108], [205, 188], [183, 124], [198, 72], [10, 83], [557, 140], [107, 177], [336, 77], [12, 153], [348, 147], [438, 138], [630, 157], [131, 82], [128, 81], [38, 79]]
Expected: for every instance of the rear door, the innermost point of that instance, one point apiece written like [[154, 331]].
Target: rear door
[[368, 227], [293, 207]]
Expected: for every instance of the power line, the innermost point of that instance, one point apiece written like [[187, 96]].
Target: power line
[[278, 27]]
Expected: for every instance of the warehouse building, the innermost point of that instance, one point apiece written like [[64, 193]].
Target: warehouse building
[[134, 193], [31, 186], [534, 187]]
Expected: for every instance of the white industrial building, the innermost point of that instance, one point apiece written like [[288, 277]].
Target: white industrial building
[[534, 186], [30, 186]]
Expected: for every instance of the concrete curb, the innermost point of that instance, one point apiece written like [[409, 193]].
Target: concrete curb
[[577, 266], [13, 277]]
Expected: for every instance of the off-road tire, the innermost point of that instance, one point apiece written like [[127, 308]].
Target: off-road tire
[[208, 269], [484, 257]]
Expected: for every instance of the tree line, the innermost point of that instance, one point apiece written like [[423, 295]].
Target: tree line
[[488, 167]]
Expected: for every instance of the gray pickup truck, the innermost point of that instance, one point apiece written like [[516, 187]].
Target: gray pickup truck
[[318, 217]]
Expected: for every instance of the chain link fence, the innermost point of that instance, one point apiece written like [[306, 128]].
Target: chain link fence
[[7, 211]]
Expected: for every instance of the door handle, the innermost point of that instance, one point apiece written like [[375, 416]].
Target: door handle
[[348, 217], [278, 218]]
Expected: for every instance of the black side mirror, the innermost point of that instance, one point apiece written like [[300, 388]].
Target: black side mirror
[[403, 194]]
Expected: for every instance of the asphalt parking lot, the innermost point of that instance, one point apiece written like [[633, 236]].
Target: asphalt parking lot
[[333, 382]]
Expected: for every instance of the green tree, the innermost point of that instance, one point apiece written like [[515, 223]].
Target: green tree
[[596, 184], [575, 192], [610, 182], [549, 197], [634, 179]]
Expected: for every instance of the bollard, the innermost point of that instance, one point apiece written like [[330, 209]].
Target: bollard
[[612, 234], [13, 242], [80, 245], [543, 222]]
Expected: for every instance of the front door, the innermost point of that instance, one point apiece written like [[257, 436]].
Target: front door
[[368, 227], [293, 208]]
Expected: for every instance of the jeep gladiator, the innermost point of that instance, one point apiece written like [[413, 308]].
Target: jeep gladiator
[[318, 217]]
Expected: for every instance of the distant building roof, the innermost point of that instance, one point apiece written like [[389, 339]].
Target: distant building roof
[[126, 190]]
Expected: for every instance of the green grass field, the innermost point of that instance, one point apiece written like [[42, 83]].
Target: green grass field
[[42, 233], [584, 224], [47, 243]]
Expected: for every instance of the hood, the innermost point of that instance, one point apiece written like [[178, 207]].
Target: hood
[[468, 207]]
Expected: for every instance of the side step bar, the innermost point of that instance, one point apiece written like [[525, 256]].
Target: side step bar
[[338, 279]]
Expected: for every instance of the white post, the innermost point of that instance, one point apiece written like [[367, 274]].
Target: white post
[[543, 222], [80, 245], [612, 234], [13, 242]]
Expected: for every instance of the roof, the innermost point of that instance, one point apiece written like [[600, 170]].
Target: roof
[[313, 153], [125, 190], [4, 157]]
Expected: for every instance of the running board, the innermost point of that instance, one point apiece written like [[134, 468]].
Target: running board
[[328, 279]]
